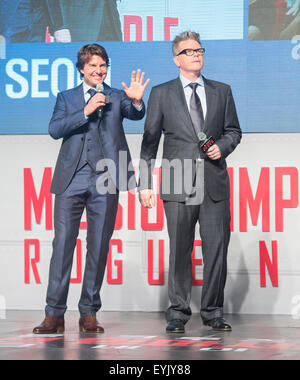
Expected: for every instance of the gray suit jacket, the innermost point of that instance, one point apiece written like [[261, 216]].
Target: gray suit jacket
[[168, 113]]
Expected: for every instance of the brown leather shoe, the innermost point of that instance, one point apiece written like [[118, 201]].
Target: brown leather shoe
[[50, 325], [89, 324]]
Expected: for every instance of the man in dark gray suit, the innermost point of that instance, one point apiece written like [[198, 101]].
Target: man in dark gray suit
[[94, 152], [194, 184]]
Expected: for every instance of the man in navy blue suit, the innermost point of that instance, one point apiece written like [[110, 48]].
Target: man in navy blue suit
[[27, 20], [94, 153]]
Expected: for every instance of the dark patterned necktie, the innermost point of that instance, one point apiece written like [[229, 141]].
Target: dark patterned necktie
[[92, 92], [196, 111]]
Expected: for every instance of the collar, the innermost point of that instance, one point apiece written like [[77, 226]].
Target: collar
[[86, 88], [185, 82]]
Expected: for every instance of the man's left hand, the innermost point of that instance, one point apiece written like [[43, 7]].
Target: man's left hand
[[214, 152], [136, 89]]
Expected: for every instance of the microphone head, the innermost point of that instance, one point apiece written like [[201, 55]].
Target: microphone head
[[202, 136], [99, 87]]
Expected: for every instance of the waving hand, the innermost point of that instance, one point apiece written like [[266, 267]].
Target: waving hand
[[137, 88]]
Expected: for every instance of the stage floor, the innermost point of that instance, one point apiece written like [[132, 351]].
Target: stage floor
[[142, 336]]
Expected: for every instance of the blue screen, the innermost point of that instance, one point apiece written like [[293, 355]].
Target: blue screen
[[251, 45]]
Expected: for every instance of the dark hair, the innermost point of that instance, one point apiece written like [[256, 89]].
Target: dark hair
[[87, 51]]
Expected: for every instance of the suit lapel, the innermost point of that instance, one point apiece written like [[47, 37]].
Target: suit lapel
[[181, 106], [79, 97], [107, 89], [183, 111], [211, 99]]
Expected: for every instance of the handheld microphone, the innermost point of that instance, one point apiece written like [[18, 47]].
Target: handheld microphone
[[205, 142], [99, 89]]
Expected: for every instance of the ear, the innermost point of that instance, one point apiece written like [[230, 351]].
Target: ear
[[176, 61]]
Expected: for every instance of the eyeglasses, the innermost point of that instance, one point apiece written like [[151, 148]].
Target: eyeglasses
[[190, 52]]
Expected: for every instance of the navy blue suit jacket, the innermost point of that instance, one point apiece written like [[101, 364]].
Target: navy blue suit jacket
[[69, 123], [26, 20]]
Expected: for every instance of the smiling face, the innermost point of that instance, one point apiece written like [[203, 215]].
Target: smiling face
[[189, 65], [94, 71]]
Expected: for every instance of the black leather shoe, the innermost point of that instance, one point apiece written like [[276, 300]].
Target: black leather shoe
[[175, 326], [218, 324]]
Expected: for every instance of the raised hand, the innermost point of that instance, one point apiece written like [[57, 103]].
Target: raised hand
[[136, 89]]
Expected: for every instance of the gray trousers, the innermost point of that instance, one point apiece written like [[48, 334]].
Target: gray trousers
[[214, 220], [101, 213]]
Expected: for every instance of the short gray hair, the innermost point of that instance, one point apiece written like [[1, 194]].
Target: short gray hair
[[187, 35]]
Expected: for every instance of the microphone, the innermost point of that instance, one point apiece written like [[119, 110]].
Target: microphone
[[99, 89], [205, 142]]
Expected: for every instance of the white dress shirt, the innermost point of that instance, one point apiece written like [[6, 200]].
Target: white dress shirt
[[200, 92], [86, 88]]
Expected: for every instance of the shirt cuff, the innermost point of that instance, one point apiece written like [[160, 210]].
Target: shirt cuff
[[138, 107]]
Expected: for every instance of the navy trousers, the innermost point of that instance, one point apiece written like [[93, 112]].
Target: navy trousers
[[101, 213]]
